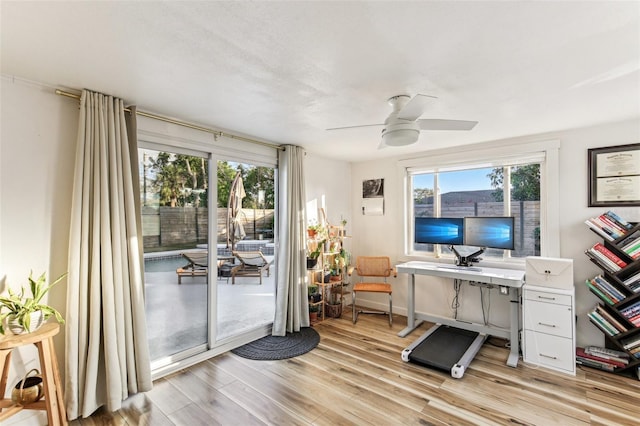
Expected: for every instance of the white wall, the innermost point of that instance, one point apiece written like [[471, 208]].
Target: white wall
[[328, 186], [383, 234], [37, 153]]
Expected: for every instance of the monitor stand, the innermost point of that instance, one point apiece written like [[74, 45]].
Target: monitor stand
[[467, 259], [446, 348]]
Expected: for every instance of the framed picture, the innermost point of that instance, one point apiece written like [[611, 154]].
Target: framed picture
[[373, 197], [614, 176], [373, 188]]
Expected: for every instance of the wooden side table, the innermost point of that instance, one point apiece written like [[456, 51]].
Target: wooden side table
[[53, 401]]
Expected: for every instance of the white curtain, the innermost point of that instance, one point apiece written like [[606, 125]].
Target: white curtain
[[292, 308], [107, 355]]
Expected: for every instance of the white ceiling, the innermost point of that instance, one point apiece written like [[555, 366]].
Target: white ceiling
[[286, 71]]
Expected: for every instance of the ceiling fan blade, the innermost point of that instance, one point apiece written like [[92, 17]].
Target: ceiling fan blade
[[353, 127], [436, 124], [415, 107]]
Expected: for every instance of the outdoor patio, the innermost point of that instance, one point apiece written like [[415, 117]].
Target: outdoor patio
[[177, 313]]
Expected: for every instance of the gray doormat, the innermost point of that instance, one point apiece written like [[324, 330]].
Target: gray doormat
[[280, 347]]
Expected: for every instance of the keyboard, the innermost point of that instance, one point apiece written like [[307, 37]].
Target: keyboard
[[460, 268]]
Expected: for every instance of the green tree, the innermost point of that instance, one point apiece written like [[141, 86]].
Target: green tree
[[176, 176], [421, 195], [258, 179], [525, 183], [226, 174]]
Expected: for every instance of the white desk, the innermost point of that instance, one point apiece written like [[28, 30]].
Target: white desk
[[514, 279]]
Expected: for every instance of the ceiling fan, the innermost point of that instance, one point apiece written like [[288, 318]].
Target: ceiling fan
[[402, 127]]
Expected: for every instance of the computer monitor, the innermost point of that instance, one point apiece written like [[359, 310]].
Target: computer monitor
[[490, 232], [439, 230]]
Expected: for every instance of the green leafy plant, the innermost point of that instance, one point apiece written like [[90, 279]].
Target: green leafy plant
[[316, 252], [21, 306]]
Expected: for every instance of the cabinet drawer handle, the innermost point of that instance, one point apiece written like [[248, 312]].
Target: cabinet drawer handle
[[548, 356], [546, 298], [547, 325]]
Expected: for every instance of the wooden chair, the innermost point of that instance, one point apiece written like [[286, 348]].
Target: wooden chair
[[373, 272], [252, 264], [197, 266]]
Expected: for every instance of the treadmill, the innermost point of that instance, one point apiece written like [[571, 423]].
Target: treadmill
[[446, 348]]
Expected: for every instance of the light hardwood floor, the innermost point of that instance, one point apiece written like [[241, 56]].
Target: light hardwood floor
[[356, 376]]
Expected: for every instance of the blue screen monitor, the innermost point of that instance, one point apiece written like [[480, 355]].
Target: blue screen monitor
[[490, 232], [438, 230]]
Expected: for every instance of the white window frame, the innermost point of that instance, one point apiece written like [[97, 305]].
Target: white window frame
[[495, 154]]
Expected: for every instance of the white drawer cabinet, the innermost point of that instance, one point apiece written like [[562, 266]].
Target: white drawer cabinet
[[549, 328]]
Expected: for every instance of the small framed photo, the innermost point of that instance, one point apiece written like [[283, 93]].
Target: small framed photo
[[373, 188], [614, 176]]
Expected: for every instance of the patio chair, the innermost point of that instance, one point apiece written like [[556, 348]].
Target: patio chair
[[198, 265], [252, 264]]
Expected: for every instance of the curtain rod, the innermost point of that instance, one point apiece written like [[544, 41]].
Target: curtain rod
[[216, 133]]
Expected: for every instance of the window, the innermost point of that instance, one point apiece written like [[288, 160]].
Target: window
[[510, 186]]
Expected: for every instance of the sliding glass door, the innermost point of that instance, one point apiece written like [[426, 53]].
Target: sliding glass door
[[205, 284], [174, 206], [245, 248]]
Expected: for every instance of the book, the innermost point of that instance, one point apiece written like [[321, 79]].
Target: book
[[632, 280], [602, 260], [606, 227], [610, 255], [609, 288], [619, 219], [599, 230], [633, 251], [631, 310], [607, 316], [630, 341], [612, 224], [599, 293], [630, 240], [583, 354], [605, 291], [595, 364], [602, 323], [607, 353], [635, 320]]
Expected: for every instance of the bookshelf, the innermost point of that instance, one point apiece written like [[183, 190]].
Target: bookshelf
[[617, 287]]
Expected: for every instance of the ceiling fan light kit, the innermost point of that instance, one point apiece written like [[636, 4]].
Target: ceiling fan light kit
[[400, 134]]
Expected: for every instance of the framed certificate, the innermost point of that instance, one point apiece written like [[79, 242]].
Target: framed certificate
[[614, 176]]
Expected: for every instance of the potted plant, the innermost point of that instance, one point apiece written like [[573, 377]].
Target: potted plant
[[313, 313], [314, 296], [314, 254], [25, 314], [317, 231], [336, 269]]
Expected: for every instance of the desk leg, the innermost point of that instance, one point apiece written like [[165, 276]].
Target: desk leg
[[514, 353], [412, 324]]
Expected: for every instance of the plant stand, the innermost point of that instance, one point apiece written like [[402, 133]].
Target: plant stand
[[53, 400]]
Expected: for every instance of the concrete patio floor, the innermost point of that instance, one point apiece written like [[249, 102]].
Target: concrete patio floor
[[177, 313]]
